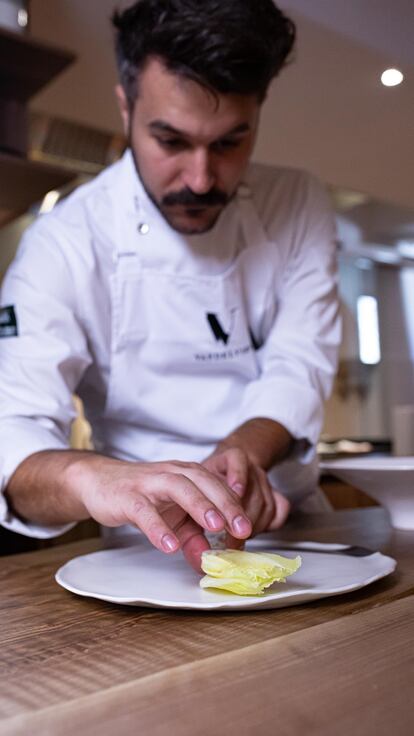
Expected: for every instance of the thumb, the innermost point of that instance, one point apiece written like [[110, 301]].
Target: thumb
[[193, 543]]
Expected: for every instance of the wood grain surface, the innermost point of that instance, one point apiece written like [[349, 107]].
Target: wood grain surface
[[70, 665]]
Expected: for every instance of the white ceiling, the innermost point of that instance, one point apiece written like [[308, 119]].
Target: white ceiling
[[382, 25], [328, 112]]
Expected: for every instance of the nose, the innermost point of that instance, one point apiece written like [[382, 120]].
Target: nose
[[198, 174]]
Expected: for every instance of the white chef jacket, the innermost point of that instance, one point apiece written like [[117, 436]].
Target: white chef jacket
[[171, 341]]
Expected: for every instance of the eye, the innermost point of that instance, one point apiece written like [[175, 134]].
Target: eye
[[171, 144], [226, 144]]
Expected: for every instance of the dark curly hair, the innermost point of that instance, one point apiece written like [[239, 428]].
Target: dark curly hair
[[228, 46]]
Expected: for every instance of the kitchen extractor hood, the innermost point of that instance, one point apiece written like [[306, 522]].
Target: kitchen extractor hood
[[71, 145]]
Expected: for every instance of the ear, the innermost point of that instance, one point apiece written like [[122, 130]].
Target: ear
[[123, 107]]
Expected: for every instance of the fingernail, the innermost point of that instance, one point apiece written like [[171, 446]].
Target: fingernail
[[238, 488], [169, 543], [242, 526], [215, 522]]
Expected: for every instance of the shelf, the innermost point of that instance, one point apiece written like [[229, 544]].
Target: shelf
[[27, 65], [24, 182]]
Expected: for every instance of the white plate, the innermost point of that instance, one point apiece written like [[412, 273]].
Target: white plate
[[141, 576], [390, 480]]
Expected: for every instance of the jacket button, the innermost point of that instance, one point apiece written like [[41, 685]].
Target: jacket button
[[143, 228]]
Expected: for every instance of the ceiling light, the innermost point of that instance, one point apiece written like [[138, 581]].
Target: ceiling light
[[392, 77], [368, 330], [22, 18]]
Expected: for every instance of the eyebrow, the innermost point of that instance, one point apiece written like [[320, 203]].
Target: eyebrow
[[160, 126]]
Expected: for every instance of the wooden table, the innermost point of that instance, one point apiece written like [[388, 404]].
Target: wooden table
[[341, 666]]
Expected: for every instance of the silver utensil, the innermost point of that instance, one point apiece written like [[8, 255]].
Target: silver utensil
[[319, 548]]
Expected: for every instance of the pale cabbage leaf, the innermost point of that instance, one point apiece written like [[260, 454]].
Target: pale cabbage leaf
[[245, 573]]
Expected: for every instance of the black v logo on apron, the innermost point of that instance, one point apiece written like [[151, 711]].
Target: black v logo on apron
[[218, 332]]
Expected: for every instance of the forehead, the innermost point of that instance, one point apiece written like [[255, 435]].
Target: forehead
[[186, 106]]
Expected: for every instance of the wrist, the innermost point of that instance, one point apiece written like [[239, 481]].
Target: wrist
[[264, 441], [79, 476]]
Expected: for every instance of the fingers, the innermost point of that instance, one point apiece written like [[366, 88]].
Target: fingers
[[266, 508], [171, 532], [282, 510], [269, 513], [193, 543], [233, 543], [189, 534], [147, 518], [233, 465], [260, 505], [181, 523], [207, 500], [140, 493]]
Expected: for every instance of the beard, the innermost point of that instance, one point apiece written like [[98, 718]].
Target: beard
[[201, 211]]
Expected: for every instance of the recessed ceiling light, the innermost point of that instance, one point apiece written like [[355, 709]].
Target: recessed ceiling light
[[392, 77], [22, 18]]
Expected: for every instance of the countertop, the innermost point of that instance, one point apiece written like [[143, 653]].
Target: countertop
[[339, 666]]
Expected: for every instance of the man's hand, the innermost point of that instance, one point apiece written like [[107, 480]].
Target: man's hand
[[266, 508], [172, 503]]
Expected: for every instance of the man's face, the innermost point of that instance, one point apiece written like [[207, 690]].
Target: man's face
[[190, 148]]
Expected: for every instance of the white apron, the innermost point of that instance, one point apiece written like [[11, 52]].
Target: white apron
[[184, 346]]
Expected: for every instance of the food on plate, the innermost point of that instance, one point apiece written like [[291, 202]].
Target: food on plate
[[245, 573]]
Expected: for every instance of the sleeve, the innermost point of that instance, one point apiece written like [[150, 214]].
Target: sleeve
[[298, 358], [40, 365]]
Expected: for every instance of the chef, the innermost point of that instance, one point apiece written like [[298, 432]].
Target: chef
[[187, 296]]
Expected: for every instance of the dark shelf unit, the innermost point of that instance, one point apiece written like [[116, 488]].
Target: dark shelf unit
[[26, 66]]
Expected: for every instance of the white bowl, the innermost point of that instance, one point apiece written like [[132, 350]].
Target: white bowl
[[389, 480]]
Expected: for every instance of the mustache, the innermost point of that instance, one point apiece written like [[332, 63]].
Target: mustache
[[187, 198]]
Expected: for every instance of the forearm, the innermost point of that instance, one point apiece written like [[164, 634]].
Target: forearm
[[43, 489], [265, 441]]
